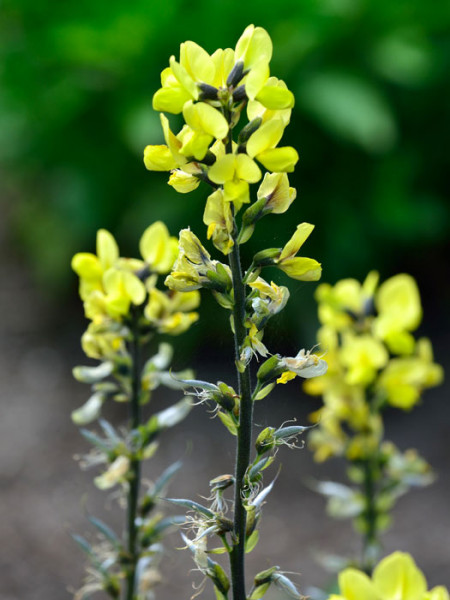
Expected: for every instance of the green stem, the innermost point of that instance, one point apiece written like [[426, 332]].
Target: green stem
[[244, 437], [370, 541], [135, 466]]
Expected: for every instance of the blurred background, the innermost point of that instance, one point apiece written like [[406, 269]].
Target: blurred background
[[371, 125]]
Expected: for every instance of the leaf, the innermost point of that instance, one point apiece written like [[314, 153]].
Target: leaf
[[93, 374], [105, 530], [191, 505], [84, 544], [165, 477], [169, 522], [109, 431], [95, 440], [228, 421]]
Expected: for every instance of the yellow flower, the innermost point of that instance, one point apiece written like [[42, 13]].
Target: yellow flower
[[235, 172], [194, 268], [181, 82], [348, 300], [172, 313], [219, 219], [305, 364], [405, 378], [267, 300], [183, 182], [158, 248], [399, 312], [304, 269], [396, 577], [262, 146], [363, 356]]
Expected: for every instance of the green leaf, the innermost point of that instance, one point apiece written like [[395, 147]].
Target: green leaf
[[228, 421], [191, 505], [105, 530], [265, 391]]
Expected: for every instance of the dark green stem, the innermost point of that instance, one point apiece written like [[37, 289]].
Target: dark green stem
[[370, 541], [244, 437], [135, 466]]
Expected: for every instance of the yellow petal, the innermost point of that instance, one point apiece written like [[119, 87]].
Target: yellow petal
[[275, 98], [223, 169], [197, 62], [253, 46], [256, 79], [281, 160], [303, 269], [159, 158], [265, 137], [134, 288], [397, 576], [87, 266], [107, 249], [183, 182], [301, 234], [355, 585], [437, 593], [170, 99], [275, 189], [184, 78], [247, 169], [205, 118]]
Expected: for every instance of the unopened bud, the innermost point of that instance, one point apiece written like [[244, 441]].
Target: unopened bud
[[266, 257], [265, 440], [248, 130], [270, 369], [239, 94], [236, 74], [207, 92]]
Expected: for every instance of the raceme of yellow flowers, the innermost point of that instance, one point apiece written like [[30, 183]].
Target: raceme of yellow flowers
[[373, 361], [110, 285]]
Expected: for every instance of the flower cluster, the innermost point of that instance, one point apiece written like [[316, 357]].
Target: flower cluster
[[111, 287], [211, 92], [373, 360], [396, 576]]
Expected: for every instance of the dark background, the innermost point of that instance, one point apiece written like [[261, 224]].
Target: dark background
[[371, 125]]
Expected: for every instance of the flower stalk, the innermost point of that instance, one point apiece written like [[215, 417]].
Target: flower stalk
[[244, 431], [135, 464]]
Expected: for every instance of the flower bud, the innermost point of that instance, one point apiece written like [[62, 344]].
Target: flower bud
[[270, 369], [265, 440], [236, 74]]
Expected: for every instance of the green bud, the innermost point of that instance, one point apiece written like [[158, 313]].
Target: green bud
[[265, 576], [269, 369], [267, 257], [265, 440], [219, 578], [254, 212]]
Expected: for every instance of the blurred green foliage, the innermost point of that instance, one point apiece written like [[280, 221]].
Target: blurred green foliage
[[370, 123]]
